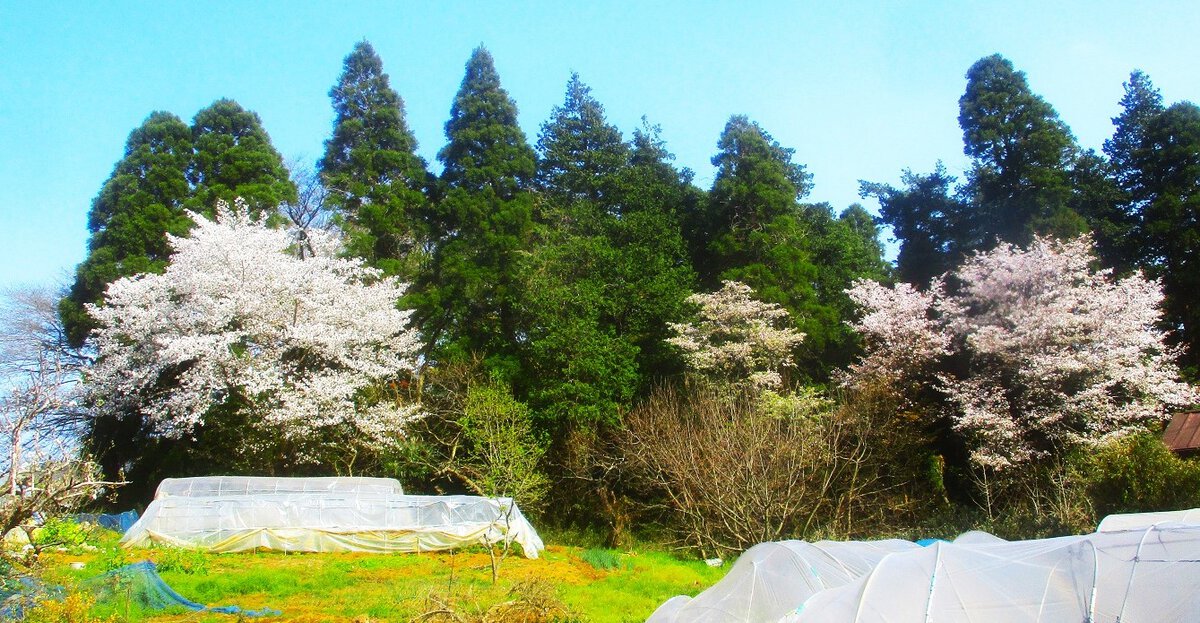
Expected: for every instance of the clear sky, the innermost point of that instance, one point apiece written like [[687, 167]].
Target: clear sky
[[860, 90]]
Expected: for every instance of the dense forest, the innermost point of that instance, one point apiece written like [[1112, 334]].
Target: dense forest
[[614, 346]]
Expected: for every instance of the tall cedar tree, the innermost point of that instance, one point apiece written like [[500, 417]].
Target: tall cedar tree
[[609, 266], [797, 256], [581, 154], [1019, 183], [1119, 236], [926, 217], [234, 158], [377, 182], [468, 301], [1168, 175], [138, 205]]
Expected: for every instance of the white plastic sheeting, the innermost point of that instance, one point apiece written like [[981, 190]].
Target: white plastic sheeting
[[1134, 521], [339, 517], [771, 579], [215, 486], [1148, 574]]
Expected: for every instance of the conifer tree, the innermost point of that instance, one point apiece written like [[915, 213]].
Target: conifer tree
[[609, 268], [1022, 153], [138, 205], [377, 181], [1140, 104], [1168, 174], [467, 301], [580, 152], [926, 217], [234, 158], [799, 256]]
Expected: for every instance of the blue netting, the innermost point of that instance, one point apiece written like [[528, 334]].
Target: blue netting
[[18, 593], [119, 522], [140, 583]]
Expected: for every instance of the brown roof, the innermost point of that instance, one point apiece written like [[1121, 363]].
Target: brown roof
[[1183, 433]]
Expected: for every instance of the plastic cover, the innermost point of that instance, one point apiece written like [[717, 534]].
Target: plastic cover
[[210, 486], [1134, 521], [1149, 574], [771, 579], [332, 520]]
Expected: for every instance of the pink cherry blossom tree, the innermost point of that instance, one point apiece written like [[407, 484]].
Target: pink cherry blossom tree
[[1032, 353]]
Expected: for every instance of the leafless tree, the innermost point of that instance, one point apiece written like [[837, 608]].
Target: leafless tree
[[40, 412], [308, 211]]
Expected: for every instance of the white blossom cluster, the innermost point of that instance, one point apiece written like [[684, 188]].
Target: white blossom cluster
[[1050, 353], [737, 337], [238, 314]]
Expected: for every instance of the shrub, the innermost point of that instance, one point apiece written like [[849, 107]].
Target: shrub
[[57, 532], [603, 559], [735, 468], [182, 560], [1139, 474]]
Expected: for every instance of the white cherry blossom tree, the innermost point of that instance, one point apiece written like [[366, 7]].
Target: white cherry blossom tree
[[240, 318], [1034, 351], [737, 338]]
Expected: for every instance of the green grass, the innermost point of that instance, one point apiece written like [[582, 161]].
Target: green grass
[[572, 583]]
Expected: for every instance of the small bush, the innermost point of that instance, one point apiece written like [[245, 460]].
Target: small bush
[[61, 533], [74, 608], [604, 559], [181, 560], [1139, 474], [112, 558]]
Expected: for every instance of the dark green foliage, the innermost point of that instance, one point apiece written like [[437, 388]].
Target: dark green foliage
[[756, 185], [1116, 215], [486, 149], [234, 158], [1019, 183], [138, 205], [377, 182], [844, 249], [1100, 201], [1140, 104], [467, 301], [926, 217], [1168, 174], [1139, 474], [609, 268]]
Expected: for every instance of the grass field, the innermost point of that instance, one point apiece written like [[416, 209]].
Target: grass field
[[566, 584]]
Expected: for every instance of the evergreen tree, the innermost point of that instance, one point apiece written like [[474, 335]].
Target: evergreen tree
[[1140, 104], [138, 205], [926, 217], [1097, 197], [1118, 229], [1019, 183], [581, 153], [467, 301], [234, 158], [377, 181], [756, 185], [1168, 173], [609, 268]]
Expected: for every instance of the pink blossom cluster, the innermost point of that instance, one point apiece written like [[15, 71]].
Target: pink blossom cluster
[[1033, 350]]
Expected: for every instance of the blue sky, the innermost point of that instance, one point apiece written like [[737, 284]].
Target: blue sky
[[859, 90]]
